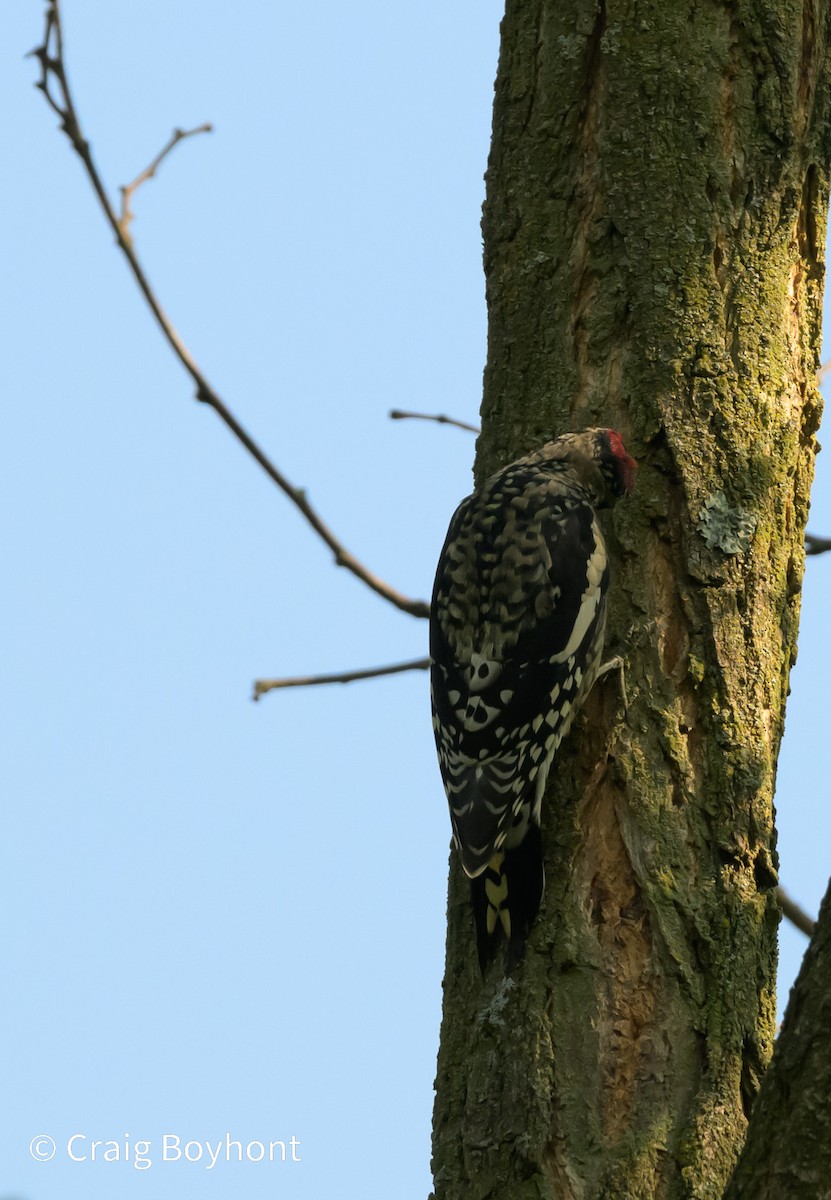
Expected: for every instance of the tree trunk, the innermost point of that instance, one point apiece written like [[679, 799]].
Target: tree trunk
[[788, 1148], [657, 196]]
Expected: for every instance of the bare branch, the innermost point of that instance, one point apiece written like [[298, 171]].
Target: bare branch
[[261, 686], [149, 171], [816, 545], [823, 371], [796, 915], [55, 87], [397, 414]]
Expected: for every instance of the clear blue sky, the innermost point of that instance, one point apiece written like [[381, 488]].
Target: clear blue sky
[[224, 917]]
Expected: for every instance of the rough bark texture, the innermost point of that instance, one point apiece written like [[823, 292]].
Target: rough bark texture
[[656, 201], [788, 1148]]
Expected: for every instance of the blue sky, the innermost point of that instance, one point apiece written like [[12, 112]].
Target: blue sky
[[225, 917]]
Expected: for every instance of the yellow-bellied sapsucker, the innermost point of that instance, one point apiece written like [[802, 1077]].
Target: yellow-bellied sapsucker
[[516, 636]]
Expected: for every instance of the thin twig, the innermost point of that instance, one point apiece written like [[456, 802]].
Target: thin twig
[[397, 414], [823, 371], [261, 686], [149, 171], [796, 915], [816, 545], [54, 79]]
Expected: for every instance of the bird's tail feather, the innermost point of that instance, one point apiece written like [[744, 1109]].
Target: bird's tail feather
[[506, 897]]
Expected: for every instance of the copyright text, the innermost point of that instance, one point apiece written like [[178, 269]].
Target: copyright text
[[141, 1153]]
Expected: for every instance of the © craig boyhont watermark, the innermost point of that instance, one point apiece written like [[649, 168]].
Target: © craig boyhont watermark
[[142, 1153]]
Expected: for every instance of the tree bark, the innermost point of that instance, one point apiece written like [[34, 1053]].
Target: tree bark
[[656, 200], [788, 1148]]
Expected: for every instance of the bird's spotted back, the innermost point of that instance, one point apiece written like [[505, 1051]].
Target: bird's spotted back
[[497, 561]]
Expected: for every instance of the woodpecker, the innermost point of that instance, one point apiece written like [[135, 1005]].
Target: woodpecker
[[517, 623]]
